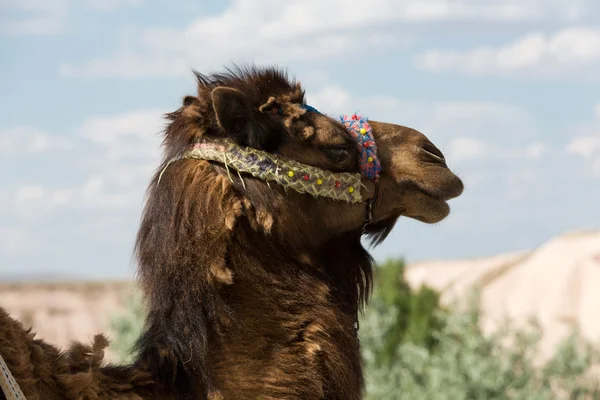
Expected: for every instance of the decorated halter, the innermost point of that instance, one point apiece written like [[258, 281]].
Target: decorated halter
[[303, 178], [360, 130], [270, 167]]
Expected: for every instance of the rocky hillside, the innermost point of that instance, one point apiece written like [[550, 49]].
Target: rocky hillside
[[557, 283], [64, 311]]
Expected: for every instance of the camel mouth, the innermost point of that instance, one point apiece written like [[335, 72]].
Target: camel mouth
[[433, 206], [447, 186], [429, 220], [437, 210]]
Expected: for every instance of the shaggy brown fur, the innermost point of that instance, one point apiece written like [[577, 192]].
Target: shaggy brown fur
[[45, 373], [252, 292]]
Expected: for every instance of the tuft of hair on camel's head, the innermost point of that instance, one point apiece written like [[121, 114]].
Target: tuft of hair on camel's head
[[249, 250]]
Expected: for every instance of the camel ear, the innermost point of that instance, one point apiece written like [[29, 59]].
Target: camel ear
[[189, 100], [237, 118]]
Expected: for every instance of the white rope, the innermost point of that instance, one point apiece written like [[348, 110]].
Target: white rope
[[11, 388]]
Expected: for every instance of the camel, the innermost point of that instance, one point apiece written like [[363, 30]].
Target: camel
[[249, 252]]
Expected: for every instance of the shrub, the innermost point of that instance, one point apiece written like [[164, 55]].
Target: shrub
[[128, 327], [459, 361], [401, 315]]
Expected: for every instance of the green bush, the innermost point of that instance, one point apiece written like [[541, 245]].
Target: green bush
[[459, 362], [402, 315], [128, 327]]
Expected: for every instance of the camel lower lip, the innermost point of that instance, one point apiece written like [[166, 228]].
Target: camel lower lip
[[438, 211]]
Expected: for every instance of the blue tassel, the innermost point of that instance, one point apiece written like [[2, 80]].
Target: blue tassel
[[310, 108]]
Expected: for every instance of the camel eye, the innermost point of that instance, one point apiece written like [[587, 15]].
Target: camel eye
[[337, 154]]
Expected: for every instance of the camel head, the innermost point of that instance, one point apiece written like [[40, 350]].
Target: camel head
[[265, 114]]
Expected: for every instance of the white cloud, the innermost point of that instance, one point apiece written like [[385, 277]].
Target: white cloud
[[472, 114], [331, 98], [114, 159], [309, 17], [596, 167], [35, 25], [466, 131], [61, 5], [302, 30], [12, 239], [33, 5], [48, 17], [334, 100], [131, 66], [33, 17], [587, 144], [113, 189], [134, 134], [468, 148], [524, 183], [29, 192], [584, 146], [571, 52], [110, 5], [30, 202], [34, 193], [465, 148], [125, 151], [533, 151], [24, 140]]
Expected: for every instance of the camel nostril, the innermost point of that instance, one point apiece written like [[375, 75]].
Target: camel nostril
[[433, 152]]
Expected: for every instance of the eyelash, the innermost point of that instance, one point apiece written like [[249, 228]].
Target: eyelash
[[336, 151], [337, 154]]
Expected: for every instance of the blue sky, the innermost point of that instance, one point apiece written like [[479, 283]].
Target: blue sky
[[509, 90]]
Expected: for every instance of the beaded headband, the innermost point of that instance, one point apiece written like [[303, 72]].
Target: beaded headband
[[292, 174], [360, 130]]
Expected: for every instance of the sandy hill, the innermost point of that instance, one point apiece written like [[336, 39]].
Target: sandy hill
[[64, 311], [556, 283]]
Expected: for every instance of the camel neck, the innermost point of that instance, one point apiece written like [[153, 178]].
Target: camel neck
[[277, 323], [290, 329]]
